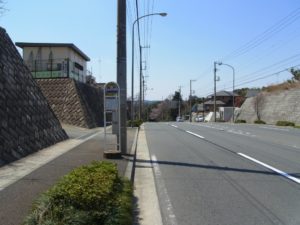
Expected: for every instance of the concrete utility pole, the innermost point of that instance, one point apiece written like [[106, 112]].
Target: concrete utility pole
[[179, 101], [191, 99], [141, 74], [121, 71], [215, 90]]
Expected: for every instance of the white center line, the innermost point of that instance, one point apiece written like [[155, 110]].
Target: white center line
[[174, 126], [197, 135], [271, 168]]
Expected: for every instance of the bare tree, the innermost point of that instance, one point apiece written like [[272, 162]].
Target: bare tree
[[2, 7], [258, 103], [296, 74]]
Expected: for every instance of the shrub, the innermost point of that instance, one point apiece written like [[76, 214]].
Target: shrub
[[135, 123], [285, 123], [89, 195], [240, 121], [259, 122]]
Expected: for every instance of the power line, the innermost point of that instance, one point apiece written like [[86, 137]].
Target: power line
[[266, 35]]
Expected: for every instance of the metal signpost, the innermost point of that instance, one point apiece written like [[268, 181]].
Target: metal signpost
[[112, 137]]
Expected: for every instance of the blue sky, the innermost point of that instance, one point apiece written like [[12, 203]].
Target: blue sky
[[183, 45]]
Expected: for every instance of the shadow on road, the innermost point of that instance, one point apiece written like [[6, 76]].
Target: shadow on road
[[211, 167]]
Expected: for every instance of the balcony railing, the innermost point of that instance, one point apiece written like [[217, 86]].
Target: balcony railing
[[55, 68]]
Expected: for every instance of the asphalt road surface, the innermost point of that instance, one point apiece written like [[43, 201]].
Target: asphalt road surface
[[226, 174]]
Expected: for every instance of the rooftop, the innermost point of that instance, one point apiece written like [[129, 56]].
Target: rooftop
[[69, 45], [223, 93]]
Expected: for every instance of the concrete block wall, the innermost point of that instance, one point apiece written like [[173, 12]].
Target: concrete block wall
[[284, 105], [73, 102], [27, 122]]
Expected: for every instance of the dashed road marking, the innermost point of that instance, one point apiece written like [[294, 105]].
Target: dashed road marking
[[271, 168], [197, 135]]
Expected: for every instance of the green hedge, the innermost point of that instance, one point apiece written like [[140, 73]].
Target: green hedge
[[89, 195], [285, 123], [240, 121], [135, 123], [259, 122]]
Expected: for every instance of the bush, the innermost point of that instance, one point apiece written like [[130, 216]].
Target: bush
[[240, 121], [135, 123], [285, 123], [89, 195], [259, 122]]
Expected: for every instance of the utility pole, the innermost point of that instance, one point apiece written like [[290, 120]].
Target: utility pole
[[143, 79], [121, 71], [191, 99], [141, 75], [179, 101], [215, 90], [203, 108]]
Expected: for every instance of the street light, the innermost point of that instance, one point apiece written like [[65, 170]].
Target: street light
[[132, 64], [233, 72]]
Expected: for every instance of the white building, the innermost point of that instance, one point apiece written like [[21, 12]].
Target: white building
[[55, 60]]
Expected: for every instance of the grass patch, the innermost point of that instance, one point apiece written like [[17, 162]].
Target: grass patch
[[297, 126], [240, 121], [134, 123], [259, 122], [285, 123], [89, 195]]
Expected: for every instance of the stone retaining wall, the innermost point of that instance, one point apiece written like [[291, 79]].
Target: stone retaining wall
[[73, 102], [284, 105], [27, 122]]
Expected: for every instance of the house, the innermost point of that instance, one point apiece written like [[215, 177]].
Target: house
[[55, 60], [223, 99]]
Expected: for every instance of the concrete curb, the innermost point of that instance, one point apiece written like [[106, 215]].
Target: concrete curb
[[130, 169]]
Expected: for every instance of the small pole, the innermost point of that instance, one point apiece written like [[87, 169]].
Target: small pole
[[215, 90]]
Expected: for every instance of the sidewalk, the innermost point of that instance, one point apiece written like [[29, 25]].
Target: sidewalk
[[147, 209], [16, 196]]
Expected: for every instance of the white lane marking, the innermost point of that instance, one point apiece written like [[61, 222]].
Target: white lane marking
[[271, 168], [197, 135], [275, 128], [164, 196], [174, 126]]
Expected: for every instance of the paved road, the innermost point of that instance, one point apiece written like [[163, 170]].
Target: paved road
[[226, 174]]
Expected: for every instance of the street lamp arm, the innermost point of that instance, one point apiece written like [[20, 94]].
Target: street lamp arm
[[152, 14], [233, 73], [132, 62]]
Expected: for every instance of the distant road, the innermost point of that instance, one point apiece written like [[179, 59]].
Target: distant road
[[227, 174]]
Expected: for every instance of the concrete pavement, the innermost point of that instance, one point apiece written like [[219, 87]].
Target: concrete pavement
[[147, 204], [24, 180]]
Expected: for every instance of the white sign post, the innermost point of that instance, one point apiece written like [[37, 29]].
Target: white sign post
[[112, 128]]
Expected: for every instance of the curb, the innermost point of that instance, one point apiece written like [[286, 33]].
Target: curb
[[130, 169]]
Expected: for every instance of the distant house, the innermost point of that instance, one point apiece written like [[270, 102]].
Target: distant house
[[55, 60], [223, 99]]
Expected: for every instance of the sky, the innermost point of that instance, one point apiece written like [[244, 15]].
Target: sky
[[260, 39]]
